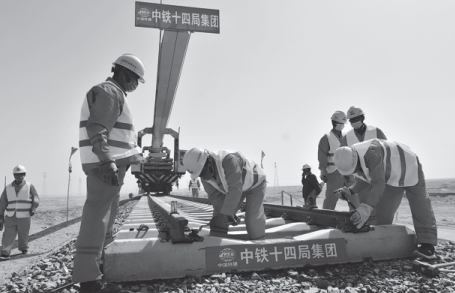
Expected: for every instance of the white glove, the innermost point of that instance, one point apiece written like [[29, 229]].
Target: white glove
[[361, 215], [343, 190]]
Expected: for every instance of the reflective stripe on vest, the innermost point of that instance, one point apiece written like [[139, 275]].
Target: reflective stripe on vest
[[21, 204], [400, 163], [194, 183], [370, 133], [121, 140], [252, 174], [334, 143]]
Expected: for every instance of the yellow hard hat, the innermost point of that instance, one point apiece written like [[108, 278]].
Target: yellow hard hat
[[132, 63], [194, 161], [339, 117], [354, 112], [345, 159], [19, 169], [306, 166]]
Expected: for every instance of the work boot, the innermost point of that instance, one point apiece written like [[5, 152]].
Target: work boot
[[99, 286], [425, 251], [4, 257], [25, 251]]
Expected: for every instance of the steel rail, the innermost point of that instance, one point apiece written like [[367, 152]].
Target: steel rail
[[309, 214]]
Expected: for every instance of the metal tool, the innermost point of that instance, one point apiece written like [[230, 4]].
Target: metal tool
[[431, 270], [346, 199]]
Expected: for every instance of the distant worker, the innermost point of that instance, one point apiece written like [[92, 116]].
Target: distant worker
[[229, 178], [19, 200], [195, 187], [360, 132], [311, 187], [381, 165], [107, 142], [329, 173]]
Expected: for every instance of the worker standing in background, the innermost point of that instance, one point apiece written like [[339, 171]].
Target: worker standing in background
[[107, 142], [229, 178], [329, 173], [18, 203], [311, 188], [360, 132], [195, 187], [385, 170]]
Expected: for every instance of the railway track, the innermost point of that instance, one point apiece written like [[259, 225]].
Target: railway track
[[165, 237]]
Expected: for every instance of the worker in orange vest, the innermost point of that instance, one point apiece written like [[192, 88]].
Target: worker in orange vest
[[229, 178], [107, 142], [18, 203], [387, 169]]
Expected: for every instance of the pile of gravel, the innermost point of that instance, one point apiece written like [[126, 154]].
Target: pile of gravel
[[55, 269]]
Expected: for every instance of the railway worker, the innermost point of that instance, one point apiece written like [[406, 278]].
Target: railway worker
[[311, 188], [18, 203], [328, 143], [228, 178], [360, 132], [382, 165], [195, 186], [107, 143]]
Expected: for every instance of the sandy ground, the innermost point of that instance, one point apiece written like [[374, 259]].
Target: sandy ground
[[50, 228]]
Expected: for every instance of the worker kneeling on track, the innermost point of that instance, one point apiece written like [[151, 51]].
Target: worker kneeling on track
[[228, 178], [386, 169]]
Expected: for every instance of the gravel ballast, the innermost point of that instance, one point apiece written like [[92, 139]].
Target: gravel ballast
[[54, 271]]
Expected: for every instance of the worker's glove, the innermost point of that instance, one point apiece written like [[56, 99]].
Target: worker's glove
[[233, 220], [343, 193], [323, 176], [109, 173], [361, 215]]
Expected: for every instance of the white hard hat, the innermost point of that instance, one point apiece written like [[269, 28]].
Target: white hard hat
[[339, 117], [194, 161], [345, 159], [306, 166], [19, 169], [354, 112], [132, 63]]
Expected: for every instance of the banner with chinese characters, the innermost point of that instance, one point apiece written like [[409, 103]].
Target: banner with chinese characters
[[235, 257], [172, 17]]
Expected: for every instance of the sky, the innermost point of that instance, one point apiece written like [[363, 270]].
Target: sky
[[269, 82]]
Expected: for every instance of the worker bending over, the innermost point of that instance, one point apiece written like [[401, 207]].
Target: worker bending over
[[385, 170], [18, 203], [329, 173], [195, 187], [229, 178], [311, 188], [360, 132], [107, 143]]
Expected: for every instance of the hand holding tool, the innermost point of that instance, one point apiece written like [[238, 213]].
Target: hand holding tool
[[109, 173]]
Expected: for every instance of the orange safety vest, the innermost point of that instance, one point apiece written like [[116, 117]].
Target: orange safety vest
[[193, 183], [253, 174], [20, 203], [370, 133], [334, 143], [121, 140], [400, 163]]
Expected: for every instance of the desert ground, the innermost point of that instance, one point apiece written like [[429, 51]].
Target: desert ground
[[55, 225]]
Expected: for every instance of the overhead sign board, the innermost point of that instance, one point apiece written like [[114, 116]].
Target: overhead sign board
[[257, 256], [180, 18]]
